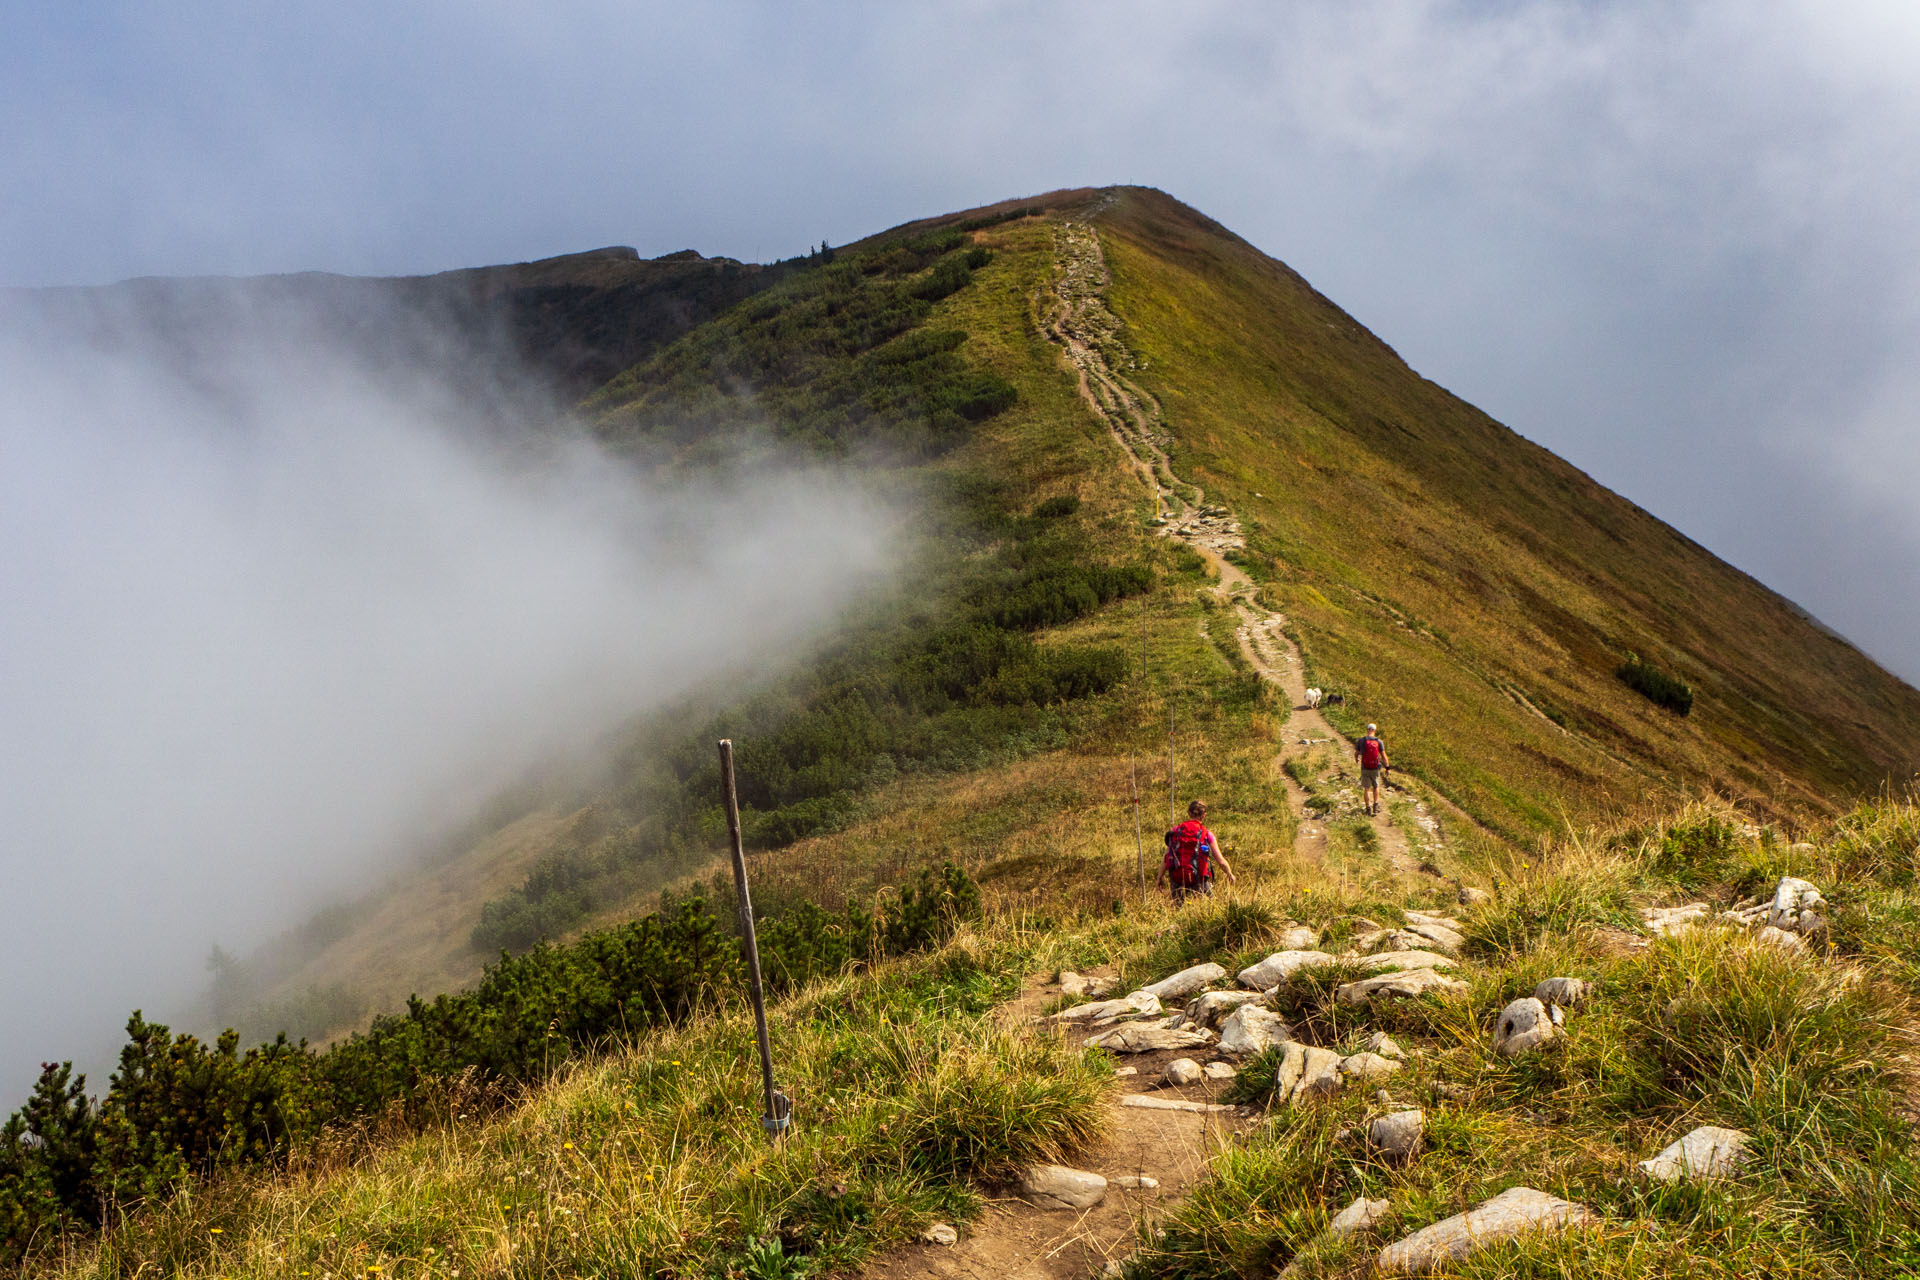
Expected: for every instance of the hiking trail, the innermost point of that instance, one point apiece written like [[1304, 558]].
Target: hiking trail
[[1089, 334]]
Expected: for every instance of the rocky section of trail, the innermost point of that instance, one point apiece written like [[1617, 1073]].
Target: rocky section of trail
[[1090, 335]]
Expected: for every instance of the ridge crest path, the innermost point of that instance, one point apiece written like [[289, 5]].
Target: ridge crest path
[[1080, 322]]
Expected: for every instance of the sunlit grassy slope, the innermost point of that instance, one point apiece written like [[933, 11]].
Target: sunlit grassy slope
[[1468, 589]]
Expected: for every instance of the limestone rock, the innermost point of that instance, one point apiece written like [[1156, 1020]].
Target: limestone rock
[[1299, 938], [1207, 1010], [1513, 1213], [1182, 1071], [1380, 961], [1389, 940], [1135, 1182], [1776, 937], [1147, 1102], [1319, 1075], [1472, 897], [1138, 1005], [1399, 1135], [1280, 966], [1383, 1044], [1220, 1071], [1055, 1186], [1671, 920], [1185, 982], [1358, 1216], [1135, 1037], [1707, 1152], [1440, 932], [1121, 1072], [940, 1233], [1251, 1029], [1796, 907], [1365, 1068], [1416, 916], [1393, 986], [1524, 1024], [1563, 991]]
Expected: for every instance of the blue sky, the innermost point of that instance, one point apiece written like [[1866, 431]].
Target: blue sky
[[1671, 241]]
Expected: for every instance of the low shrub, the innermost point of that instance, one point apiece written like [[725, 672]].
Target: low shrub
[[1657, 686]]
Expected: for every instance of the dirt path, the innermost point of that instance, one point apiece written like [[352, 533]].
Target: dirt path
[[1089, 334], [1016, 1240]]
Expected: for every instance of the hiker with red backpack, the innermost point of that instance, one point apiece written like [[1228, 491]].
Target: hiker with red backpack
[[1191, 852], [1372, 755]]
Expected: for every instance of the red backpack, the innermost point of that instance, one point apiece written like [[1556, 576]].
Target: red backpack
[[1189, 853], [1371, 753]]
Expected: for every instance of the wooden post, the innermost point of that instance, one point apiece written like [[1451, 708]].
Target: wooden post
[[776, 1117]]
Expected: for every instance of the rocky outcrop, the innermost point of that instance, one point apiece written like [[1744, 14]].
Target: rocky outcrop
[[1797, 907], [1707, 1152], [1208, 1010], [1509, 1215]]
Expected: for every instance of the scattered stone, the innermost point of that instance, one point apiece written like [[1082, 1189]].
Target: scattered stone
[[1707, 1152], [1398, 1135], [1207, 1010], [1472, 897], [1307, 1071], [940, 1233], [1380, 961], [1147, 1102], [1416, 916], [1135, 1037], [1364, 1068], [1299, 938], [1513, 1213], [1280, 966], [1358, 1216], [1440, 931], [1390, 940], [1563, 991], [1220, 1071], [1135, 1182], [1251, 1029], [1055, 1186], [1185, 982], [1394, 986], [1748, 914], [1524, 1024], [1182, 1071], [1773, 937], [1665, 921], [1383, 1044], [1796, 907], [1126, 1071]]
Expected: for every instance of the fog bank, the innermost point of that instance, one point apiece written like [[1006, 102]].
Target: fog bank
[[275, 611]]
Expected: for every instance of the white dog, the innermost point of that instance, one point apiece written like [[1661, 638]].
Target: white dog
[[1313, 698]]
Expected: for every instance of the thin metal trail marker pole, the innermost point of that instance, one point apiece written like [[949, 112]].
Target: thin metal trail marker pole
[[778, 1112], [1139, 844]]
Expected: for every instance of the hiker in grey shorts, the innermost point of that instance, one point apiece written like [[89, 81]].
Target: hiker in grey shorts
[[1371, 754]]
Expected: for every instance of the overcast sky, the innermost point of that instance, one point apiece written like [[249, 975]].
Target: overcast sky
[[1675, 242]]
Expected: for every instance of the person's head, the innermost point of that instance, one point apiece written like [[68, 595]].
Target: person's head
[[1197, 809], [1373, 728]]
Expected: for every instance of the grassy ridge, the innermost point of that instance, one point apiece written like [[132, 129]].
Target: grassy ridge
[[1471, 590]]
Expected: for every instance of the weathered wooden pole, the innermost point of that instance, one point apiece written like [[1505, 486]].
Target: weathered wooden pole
[[776, 1117]]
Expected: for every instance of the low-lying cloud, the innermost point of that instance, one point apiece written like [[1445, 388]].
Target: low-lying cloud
[[274, 614]]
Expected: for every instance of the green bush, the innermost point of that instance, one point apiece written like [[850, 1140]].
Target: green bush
[[1656, 686]]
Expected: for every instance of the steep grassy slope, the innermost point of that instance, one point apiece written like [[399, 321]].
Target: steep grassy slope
[[1466, 588]]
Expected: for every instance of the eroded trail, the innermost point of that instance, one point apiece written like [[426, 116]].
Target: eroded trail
[[1089, 334]]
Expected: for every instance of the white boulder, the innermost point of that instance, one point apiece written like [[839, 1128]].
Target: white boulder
[[1055, 1186], [1364, 1068], [941, 1233], [1395, 986], [1513, 1213], [1220, 1071], [1299, 938], [1398, 1135], [1280, 966], [1383, 1044], [1707, 1152], [1380, 961], [1524, 1024], [1358, 1216], [1670, 920], [1797, 907], [1185, 982], [1207, 1010], [1251, 1029], [1776, 937], [1146, 1037], [1182, 1071]]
